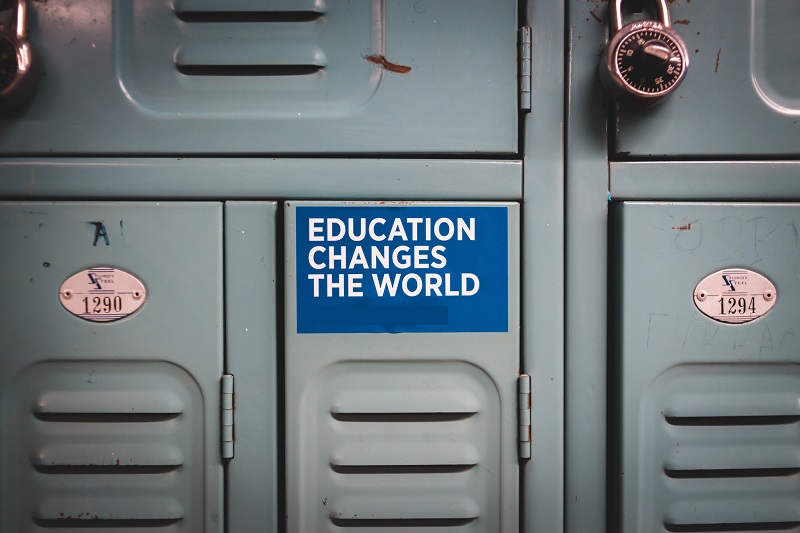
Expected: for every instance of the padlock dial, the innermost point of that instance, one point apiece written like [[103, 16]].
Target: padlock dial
[[650, 61], [8, 62]]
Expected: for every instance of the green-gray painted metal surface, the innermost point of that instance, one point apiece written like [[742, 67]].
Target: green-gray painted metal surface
[[408, 431], [706, 180], [109, 425], [193, 77], [586, 241], [706, 414], [230, 178], [741, 95], [251, 355], [542, 283]]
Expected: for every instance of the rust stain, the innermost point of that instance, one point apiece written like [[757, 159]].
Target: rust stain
[[716, 66], [687, 227], [387, 65], [685, 22]]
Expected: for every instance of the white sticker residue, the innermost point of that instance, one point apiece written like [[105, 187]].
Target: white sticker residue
[[102, 294], [735, 296]]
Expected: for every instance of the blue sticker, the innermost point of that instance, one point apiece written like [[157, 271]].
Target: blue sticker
[[378, 269]]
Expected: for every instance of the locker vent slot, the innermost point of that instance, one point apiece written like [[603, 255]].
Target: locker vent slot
[[753, 527], [403, 523], [400, 469], [104, 418], [725, 449], [731, 473], [401, 417], [104, 445], [248, 70], [247, 16], [93, 522], [391, 428], [731, 420]]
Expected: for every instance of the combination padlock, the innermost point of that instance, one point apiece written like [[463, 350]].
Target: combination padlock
[[645, 60], [19, 72]]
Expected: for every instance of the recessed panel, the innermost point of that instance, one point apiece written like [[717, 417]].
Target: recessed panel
[[104, 445]]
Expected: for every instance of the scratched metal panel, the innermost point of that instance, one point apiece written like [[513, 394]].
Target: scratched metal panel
[[111, 425], [741, 95], [188, 77], [401, 431], [706, 424]]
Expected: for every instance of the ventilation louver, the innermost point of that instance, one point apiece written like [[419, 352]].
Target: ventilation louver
[[725, 449], [244, 58], [402, 447], [109, 446]]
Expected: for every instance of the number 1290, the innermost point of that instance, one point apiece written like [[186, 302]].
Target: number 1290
[[104, 305]]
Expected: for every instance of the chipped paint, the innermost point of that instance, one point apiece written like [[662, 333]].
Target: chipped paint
[[387, 65]]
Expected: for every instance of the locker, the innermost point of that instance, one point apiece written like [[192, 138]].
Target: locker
[[111, 424], [705, 412], [676, 421], [393, 420]]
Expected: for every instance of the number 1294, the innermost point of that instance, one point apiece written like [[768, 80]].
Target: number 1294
[[737, 306]]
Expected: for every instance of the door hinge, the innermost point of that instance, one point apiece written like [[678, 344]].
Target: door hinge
[[525, 68], [524, 388], [227, 416]]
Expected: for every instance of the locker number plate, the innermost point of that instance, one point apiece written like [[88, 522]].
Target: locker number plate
[[102, 294], [735, 296]]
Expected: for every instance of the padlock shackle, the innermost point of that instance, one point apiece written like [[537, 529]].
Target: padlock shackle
[[22, 12], [616, 14]]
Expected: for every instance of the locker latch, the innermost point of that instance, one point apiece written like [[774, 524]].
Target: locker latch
[[227, 416], [524, 388]]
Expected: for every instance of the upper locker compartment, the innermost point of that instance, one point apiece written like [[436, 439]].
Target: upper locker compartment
[[269, 76], [741, 95]]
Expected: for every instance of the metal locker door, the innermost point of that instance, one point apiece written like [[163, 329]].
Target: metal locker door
[[111, 423], [402, 355], [270, 76], [741, 95], [706, 413]]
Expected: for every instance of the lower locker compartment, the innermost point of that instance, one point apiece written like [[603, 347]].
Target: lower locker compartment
[[705, 406]]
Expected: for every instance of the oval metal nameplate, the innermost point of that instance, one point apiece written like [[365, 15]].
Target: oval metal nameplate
[[735, 296], [102, 294]]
